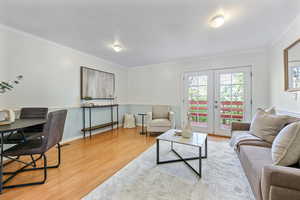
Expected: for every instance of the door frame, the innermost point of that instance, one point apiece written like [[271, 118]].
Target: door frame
[[211, 70], [210, 95], [247, 94]]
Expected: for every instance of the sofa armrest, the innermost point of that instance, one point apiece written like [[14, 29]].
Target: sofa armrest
[[172, 119], [240, 126], [148, 118], [280, 178]]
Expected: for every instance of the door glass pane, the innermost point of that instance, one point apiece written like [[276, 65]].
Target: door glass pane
[[237, 78], [232, 97], [197, 98], [225, 92], [225, 79]]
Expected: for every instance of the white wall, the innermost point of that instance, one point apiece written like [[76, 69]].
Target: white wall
[[282, 100], [3, 66], [51, 71], [52, 77], [162, 83]]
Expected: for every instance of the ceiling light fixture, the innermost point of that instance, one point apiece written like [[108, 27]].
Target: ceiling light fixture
[[217, 21], [117, 47]]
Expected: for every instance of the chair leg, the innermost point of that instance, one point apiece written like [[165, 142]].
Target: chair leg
[[48, 167], [45, 168], [52, 166], [11, 161], [32, 158], [28, 184], [17, 160]]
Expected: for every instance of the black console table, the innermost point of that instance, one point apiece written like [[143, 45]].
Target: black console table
[[99, 126]]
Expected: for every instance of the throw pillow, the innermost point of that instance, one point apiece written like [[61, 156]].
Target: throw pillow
[[271, 111], [266, 126], [286, 146]]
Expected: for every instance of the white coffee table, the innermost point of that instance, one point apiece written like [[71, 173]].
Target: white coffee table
[[198, 140]]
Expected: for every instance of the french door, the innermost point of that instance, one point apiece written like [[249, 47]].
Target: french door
[[215, 98]]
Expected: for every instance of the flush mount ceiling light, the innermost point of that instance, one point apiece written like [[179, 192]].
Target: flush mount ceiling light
[[117, 47], [217, 21]]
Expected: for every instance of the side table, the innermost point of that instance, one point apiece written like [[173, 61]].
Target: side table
[[143, 123]]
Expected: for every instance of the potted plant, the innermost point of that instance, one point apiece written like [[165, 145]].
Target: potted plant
[[8, 86]]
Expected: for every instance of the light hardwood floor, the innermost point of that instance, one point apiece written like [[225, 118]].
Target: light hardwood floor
[[85, 164]]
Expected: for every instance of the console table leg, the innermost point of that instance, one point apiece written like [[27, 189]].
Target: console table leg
[[112, 117], [83, 121], [117, 116]]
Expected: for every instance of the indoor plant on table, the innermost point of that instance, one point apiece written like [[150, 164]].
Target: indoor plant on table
[[7, 116]]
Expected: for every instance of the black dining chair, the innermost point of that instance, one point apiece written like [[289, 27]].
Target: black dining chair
[[30, 132], [51, 135]]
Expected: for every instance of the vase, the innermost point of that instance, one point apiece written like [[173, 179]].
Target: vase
[[7, 117], [187, 131]]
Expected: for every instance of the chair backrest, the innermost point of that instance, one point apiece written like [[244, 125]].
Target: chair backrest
[[33, 113], [53, 129], [160, 112]]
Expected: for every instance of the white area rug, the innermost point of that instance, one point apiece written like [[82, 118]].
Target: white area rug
[[222, 177]]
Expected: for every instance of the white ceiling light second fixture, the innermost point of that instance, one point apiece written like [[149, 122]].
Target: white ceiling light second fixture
[[117, 47], [217, 21]]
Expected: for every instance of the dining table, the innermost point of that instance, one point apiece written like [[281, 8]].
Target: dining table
[[18, 126]]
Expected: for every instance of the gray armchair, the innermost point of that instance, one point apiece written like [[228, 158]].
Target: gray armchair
[[160, 119]]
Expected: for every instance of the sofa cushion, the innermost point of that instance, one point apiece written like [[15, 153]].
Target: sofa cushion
[[266, 126], [160, 112], [253, 159], [160, 122], [286, 146]]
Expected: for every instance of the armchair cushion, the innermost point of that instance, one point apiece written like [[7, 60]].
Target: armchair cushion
[[160, 122], [160, 112]]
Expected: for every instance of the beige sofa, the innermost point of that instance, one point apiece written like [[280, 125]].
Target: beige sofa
[[268, 182]]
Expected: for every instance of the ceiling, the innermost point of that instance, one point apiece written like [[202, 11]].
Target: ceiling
[[152, 31]]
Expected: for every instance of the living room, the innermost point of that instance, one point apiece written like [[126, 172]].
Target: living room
[[211, 65]]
